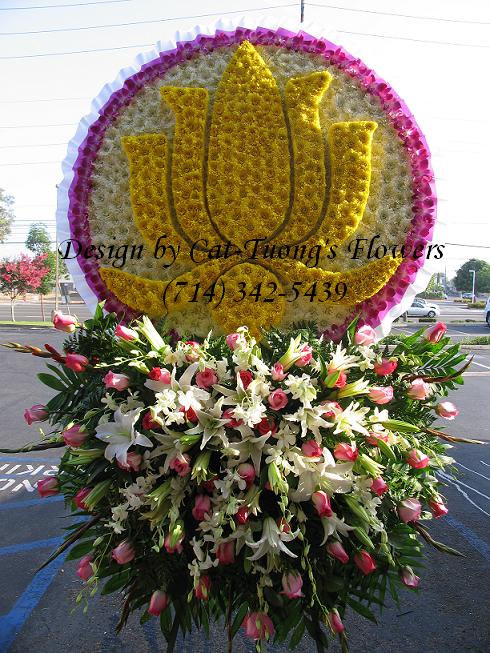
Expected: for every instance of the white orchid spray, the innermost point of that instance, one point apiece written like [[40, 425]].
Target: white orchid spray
[[121, 434]]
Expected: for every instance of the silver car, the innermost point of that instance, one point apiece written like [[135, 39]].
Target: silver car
[[420, 308], [487, 312]]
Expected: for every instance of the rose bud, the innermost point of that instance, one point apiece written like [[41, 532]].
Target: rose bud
[[117, 381], [283, 525], [133, 462], [158, 603], [335, 622], [381, 394], [85, 570], [344, 451], [62, 322], [232, 340], [277, 399], [258, 625], [232, 423], [247, 472], [80, 496], [278, 373], [266, 426], [311, 449], [336, 550], [373, 437], [386, 367], [409, 510], [202, 507], [321, 501], [124, 333], [76, 362], [36, 413], [74, 437], [332, 409], [434, 334], [291, 585], [169, 548], [123, 553], [242, 515], [438, 507], [342, 379], [206, 378], [193, 354], [365, 336], [201, 591], [417, 459], [225, 553], [408, 578], [180, 464], [246, 377], [306, 356], [378, 486], [365, 562], [148, 423], [160, 374], [48, 487], [419, 390], [447, 410]]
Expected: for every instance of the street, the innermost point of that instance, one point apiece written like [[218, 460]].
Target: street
[[38, 612]]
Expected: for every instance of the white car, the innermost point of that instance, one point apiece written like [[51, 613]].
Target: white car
[[420, 308], [487, 312]]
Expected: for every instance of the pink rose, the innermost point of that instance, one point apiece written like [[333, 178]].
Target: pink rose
[[242, 515], [258, 625], [438, 507], [246, 377], [180, 464], [291, 585], [247, 472], [332, 409], [342, 379], [365, 562], [63, 322], [36, 413], [278, 373], [344, 451], [206, 378], [321, 501], [80, 496], [148, 423], [266, 426], [133, 462], [381, 394], [311, 449], [336, 550], [84, 570], [201, 591], [232, 340], [190, 414], [365, 335], [76, 362], [74, 436], [117, 381], [408, 578], [202, 507], [335, 622], [378, 486], [386, 367], [193, 351], [225, 553], [232, 422], [158, 603], [123, 553], [124, 333], [435, 333], [447, 410], [169, 548], [418, 389], [373, 438], [48, 487], [306, 356], [417, 459], [277, 399], [409, 510], [160, 374]]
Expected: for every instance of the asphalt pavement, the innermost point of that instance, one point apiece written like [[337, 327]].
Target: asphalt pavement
[[37, 613]]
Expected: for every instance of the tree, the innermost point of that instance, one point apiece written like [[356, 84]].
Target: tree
[[434, 290], [6, 214], [38, 240], [464, 279], [20, 276]]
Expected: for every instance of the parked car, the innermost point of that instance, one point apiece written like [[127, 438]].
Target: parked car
[[420, 308], [487, 312], [467, 295]]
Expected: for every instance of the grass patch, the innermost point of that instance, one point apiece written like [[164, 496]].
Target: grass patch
[[476, 340], [27, 323]]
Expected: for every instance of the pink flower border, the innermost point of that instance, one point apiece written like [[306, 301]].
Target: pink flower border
[[424, 201]]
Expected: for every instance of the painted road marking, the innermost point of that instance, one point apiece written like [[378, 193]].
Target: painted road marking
[[446, 477], [15, 459], [29, 546], [15, 505], [480, 365], [487, 478], [31, 470], [476, 542], [466, 496]]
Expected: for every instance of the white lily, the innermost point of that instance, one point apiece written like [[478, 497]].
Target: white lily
[[211, 424], [326, 475], [351, 419], [272, 541], [333, 525], [311, 420], [249, 448], [301, 388], [121, 434], [341, 360]]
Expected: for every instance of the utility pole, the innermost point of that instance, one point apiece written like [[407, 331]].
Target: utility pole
[[473, 272], [302, 10]]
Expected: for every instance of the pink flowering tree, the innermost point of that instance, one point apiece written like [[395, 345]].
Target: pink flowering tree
[[22, 275]]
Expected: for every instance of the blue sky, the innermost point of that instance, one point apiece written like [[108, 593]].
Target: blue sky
[[436, 55]]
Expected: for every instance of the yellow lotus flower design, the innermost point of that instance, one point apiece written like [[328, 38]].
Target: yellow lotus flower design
[[243, 190]]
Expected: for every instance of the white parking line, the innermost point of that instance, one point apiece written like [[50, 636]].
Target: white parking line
[[446, 477], [487, 478], [465, 495], [480, 365]]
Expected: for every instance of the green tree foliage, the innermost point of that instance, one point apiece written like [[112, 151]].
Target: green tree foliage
[[6, 214], [464, 279], [39, 242]]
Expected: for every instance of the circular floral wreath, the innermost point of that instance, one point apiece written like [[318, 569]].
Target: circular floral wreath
[[249, 134]]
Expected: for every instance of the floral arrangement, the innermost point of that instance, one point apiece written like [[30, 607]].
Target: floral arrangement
[[238, 135], [275, 483]]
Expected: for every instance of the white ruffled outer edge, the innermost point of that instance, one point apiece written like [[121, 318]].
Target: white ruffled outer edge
[[169, 42]]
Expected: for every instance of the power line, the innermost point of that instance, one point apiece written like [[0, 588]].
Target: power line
[[59, 54], [462, 245], [60, 124], [387, 13], [406, 38], [142, 22], [27, 163], [8, 147], [77, 4], [53, 99]]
